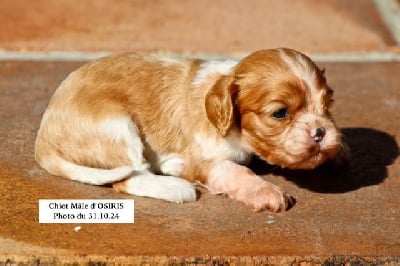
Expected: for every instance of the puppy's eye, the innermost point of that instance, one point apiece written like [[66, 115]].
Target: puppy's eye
[[280, 114]]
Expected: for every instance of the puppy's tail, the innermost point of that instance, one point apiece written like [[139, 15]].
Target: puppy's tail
[[58, 166]]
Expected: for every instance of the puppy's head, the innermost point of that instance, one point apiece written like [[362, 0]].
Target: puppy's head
[[280, 101]]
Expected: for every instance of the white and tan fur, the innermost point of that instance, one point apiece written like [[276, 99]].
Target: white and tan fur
[[153, 127]]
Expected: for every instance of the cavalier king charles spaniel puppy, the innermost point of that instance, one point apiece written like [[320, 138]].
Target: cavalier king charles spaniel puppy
[[155, 126]]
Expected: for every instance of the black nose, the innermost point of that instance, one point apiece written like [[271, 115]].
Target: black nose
[[319, 134]]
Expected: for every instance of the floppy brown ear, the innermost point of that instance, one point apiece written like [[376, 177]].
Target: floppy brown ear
[[219, 106]]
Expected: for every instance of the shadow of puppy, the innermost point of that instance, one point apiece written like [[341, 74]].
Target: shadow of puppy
[[371, 152]]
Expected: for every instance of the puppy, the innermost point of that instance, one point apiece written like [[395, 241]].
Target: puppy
[[154, 126]]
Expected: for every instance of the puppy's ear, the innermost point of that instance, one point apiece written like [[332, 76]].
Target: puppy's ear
[[219, 104]]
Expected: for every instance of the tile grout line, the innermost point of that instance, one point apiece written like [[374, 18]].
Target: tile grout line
[[50, 56], [86, 56], [390, 12]]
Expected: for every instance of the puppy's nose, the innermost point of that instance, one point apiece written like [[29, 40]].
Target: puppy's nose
[[318, 134]]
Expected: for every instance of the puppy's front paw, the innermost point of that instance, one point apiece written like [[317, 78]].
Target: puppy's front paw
[[271, 197]]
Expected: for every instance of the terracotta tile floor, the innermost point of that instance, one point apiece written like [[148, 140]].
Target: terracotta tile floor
[[339, 217]]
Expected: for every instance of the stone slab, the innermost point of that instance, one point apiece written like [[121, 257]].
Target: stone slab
[[352, 215]]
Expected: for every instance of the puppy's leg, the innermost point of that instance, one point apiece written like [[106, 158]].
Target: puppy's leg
[[124, 130], [142, 182], [169, 188], [172, 165], [241, 184]]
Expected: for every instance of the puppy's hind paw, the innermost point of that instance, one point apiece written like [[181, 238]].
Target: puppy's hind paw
[[175, 189], [169, 188], [181, 194]]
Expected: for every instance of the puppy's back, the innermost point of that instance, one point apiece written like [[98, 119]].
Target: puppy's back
[[149, 91]]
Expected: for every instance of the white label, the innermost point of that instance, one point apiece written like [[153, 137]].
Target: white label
[[86, 211]]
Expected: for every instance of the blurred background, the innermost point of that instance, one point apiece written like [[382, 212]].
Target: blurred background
[[228, 27], [349, 219]]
